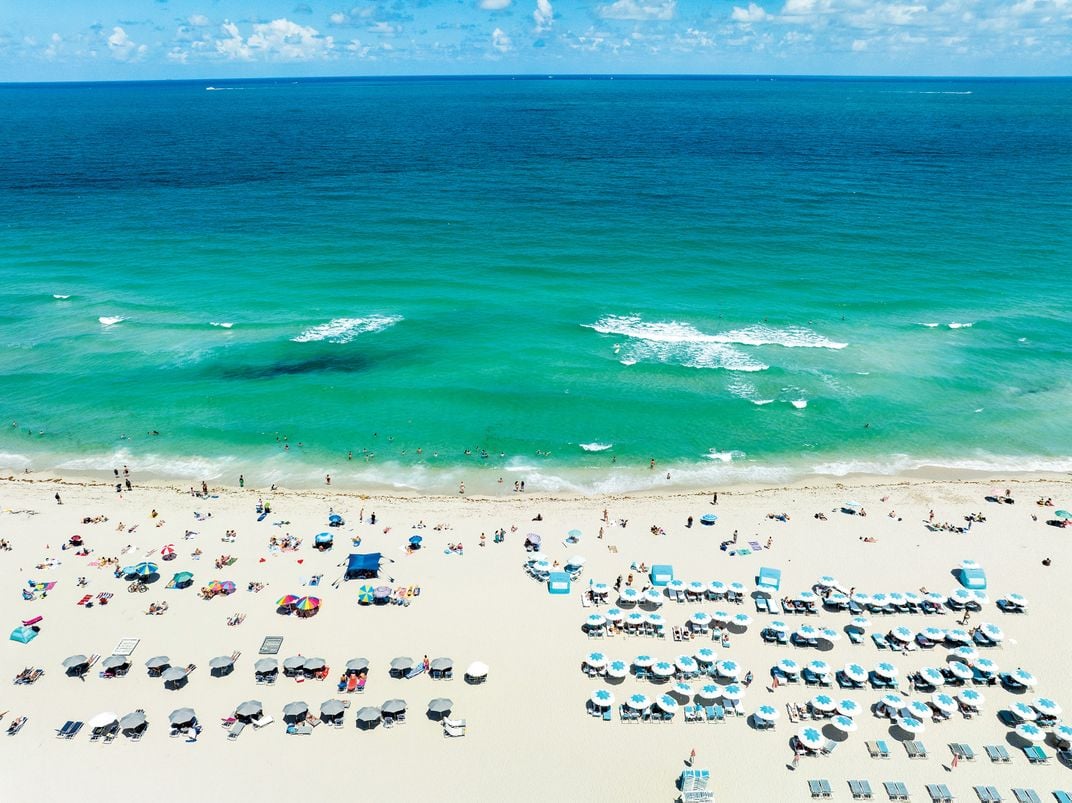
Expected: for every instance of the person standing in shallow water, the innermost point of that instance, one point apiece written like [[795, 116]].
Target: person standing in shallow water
[[241, 481]]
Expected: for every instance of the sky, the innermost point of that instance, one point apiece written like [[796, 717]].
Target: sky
[[78, 40]]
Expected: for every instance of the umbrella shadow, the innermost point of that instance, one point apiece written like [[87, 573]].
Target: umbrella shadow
[[834, 734], [823, 645], [900, 734]]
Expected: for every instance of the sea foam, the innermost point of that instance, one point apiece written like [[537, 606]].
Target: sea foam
[[955, 325], [673, 343], [343, 330], [112, 320], [596, 447], [223, 325], [60, 296]]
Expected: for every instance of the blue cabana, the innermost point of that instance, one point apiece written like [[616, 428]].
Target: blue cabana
[[973, 577], [662, 574], [23, 635], [558, 583], [363, 565], [769, 578]]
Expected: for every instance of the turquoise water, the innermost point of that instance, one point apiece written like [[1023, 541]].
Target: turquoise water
[[742, 279]]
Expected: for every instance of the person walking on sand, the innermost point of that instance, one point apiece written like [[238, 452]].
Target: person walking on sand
[[58, 500], [692, 757]]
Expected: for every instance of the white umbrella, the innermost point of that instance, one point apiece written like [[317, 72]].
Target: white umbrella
[[917, 709], [602, 697], [1025, 678], [971, 697], [1017, 599], [705, 654], [810, 737], [966, 654], [1024, 711], [656, 619], [595, 620], [932, 676], [958, 635], [911, 724], [741, 620], [962, 671], [721, 616], [985, 665], [709, 692], [716, 587], [819, 667], [778, 626], [628, 595], [596, 660], [643, 661], [700, 618], [103, 720], [653, 597], [830, 634], [768, 713], [992, 632], [843, 723], [667, 703], [681, 689], [577, 560], [848, 708], [789, 666], [808, 632], [932, 633], [944, 702], [892, 702], [887, 670], [477, 669], [1031, 732], [732, 692], [638, 701], [662, 668], [614, 614], [617, 669], [686, 663], [823, 702], [1046, 706], [727, 668], [855, 672], [902, 634], [860, 622]]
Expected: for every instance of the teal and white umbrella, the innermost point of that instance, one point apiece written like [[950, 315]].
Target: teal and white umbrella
[[837, 598], [958, 635], [844, 724], [1031, 732], [1046, 706], [1024, 711], [1063, 732], [1017, 599], [635, 618], [829, 634], [629, 595], [819, 667], [896, 597], [732, 692], [971, 697], [965, 653], [767, 713], [728, 669], [595, 620], [828, 580], [617, 669], [893, 702], [823, 702], [778, 626], [686, 663], [709, 692], [935, 596], [736, 588], [1024, 678], [806, 596], [676, 585], [663, 669], [932, 676], [705, 655], [602, 697], [913, 597], [932, 633], [701, 618], [911, 724], [962, 671], [656, 619], [855, 672], [916, 709], [808, 632], [741, 620], [860, 622], [861, 597], [596, 660], [544, 566], [880, 600], [961, 596], [810, 737], [980, 596], [667, 703], [789, 666], [992, 632], [696, 587], [903, 634], [653, 597], [643, 661], [681, 689], [614, 614], [985, 665], [639, 702], [722, 616], [945, 703], [600, 588], [716, 587], [848, 708]]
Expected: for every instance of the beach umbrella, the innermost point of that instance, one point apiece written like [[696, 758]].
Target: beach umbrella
[[574, 533], [249, 709], [227, 587], [886, 669], [662, 668], [596, 660], [830, 634], [708, 518], [638, 701], [1024, 678], [696, 587], [366, 595], [307, 604], [896, 597], [167, 551], [367, 715], [600, 588], [1024, 711], [732, 692], [728, 669], [944, 702], [359, 665], [1046, 706], [980, 596], [395, 706], [628, 595], [777, 626], [1063, 732], [75, 661], [266, 666], [961, 595], [158, 662], [741, 620], [902, 633], [701, 618], [737, 588], [614, 614], [911, 724], [934, 596], [334, 708], [686, 663], [643, 661], [105, 719], [1063, 515], [843, 723], [667, 703], [595, 620], [823, 702], [298, 710], [806, 596], [440, 705], [182, 716], [851, 505], [828, 580], [635, 618], [286, 600], [705, 654], [182, 578], [401, 664], [932, 633], [676, 585], [115, 662], [656, 619], [788, 666], [962, 671], [808, 632], [314, 664], [848, 708], [716, 587], [542, 565], [971, 697], [891, 702], [617, 669], [966, 654], [819, 667], [880, 599], [681, 689], [1017, 599], [294, 663], [862, 597], [992, 632], [912, 596], [855, 672], [721, 616], [1030, 731], [144, 569], [810, 737], [174, 674], [767, 713], [932, 676], [602, 697], [985, 665], [220, 663], [133, 721], [709, 692], [837, 598], [477, 669]]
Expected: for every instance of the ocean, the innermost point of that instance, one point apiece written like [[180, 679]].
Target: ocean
[[551, 280]]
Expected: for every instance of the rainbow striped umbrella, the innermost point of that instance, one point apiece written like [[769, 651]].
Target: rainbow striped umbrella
[[228, 587], [287, 600], [307, 604]]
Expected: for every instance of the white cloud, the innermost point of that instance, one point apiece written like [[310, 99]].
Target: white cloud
[[338, 18], [639, 10], [123, 48], [178, 55], [859, 45], [278, 40], [385, 28], [198, 20], [55, 43], [500, 41], [753, 13], [494, 5], [543, 16]]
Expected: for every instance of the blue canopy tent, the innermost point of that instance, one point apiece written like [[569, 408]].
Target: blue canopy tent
[[323, 541], [558, 583], [363, 565], [23, 635], [769, 578], [662, 574], [972, 577]]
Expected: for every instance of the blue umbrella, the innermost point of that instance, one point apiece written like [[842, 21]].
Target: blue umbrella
[[415, 539], [145, 569], [709, 518]]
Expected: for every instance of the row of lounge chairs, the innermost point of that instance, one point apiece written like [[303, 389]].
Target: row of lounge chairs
[[998, 754], [938, 792]]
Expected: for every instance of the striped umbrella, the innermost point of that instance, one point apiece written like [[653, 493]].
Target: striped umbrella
[[307, 604], [365, 595], [287, 600], [167, 550], [228, 587], [144, 569]]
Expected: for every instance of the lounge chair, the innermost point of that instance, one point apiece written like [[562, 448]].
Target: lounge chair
[[962, 752], [880, 641], [997, 753], [299, 730], [861, 790], [878, 749], [820, 788], [263, 721], [829, 747], [988, 794], [454, 727], [16, 725], [939, 793], [896, 790], [1036, 755], [1062, 797], [77, 726], [1065, 756], [1026, 795], [606, 715], [716, 713], [236, 730], [61, 733], [915, 749]]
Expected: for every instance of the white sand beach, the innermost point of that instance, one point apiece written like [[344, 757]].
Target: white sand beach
[[528, 734]]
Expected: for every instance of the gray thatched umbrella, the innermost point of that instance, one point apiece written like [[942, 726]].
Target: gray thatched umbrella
[[266, 666], [314, 664], [296, 711], [182, 716], [294, 663], [395, 706], [368, 716], [402, 664], [356, 664], [115, 662], [440, 705], [332, 708], [442, 664], [158, 662], [133, 721], [75, 661], [249, 709]]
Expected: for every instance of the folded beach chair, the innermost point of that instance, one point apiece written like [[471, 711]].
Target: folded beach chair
[[896, 790], [861, 790], [1026, 795], [820, 788], [963, 752], [939, 793], [988, 794], [997, 753]]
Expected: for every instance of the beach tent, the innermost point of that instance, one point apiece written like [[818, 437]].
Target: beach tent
[[972, 577], [366, 565], [769, 578], [558, 583], [23, 635], [662, 574]]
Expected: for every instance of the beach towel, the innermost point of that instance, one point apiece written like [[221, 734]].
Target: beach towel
[[85, 599], [755, 545], [262, 517]]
